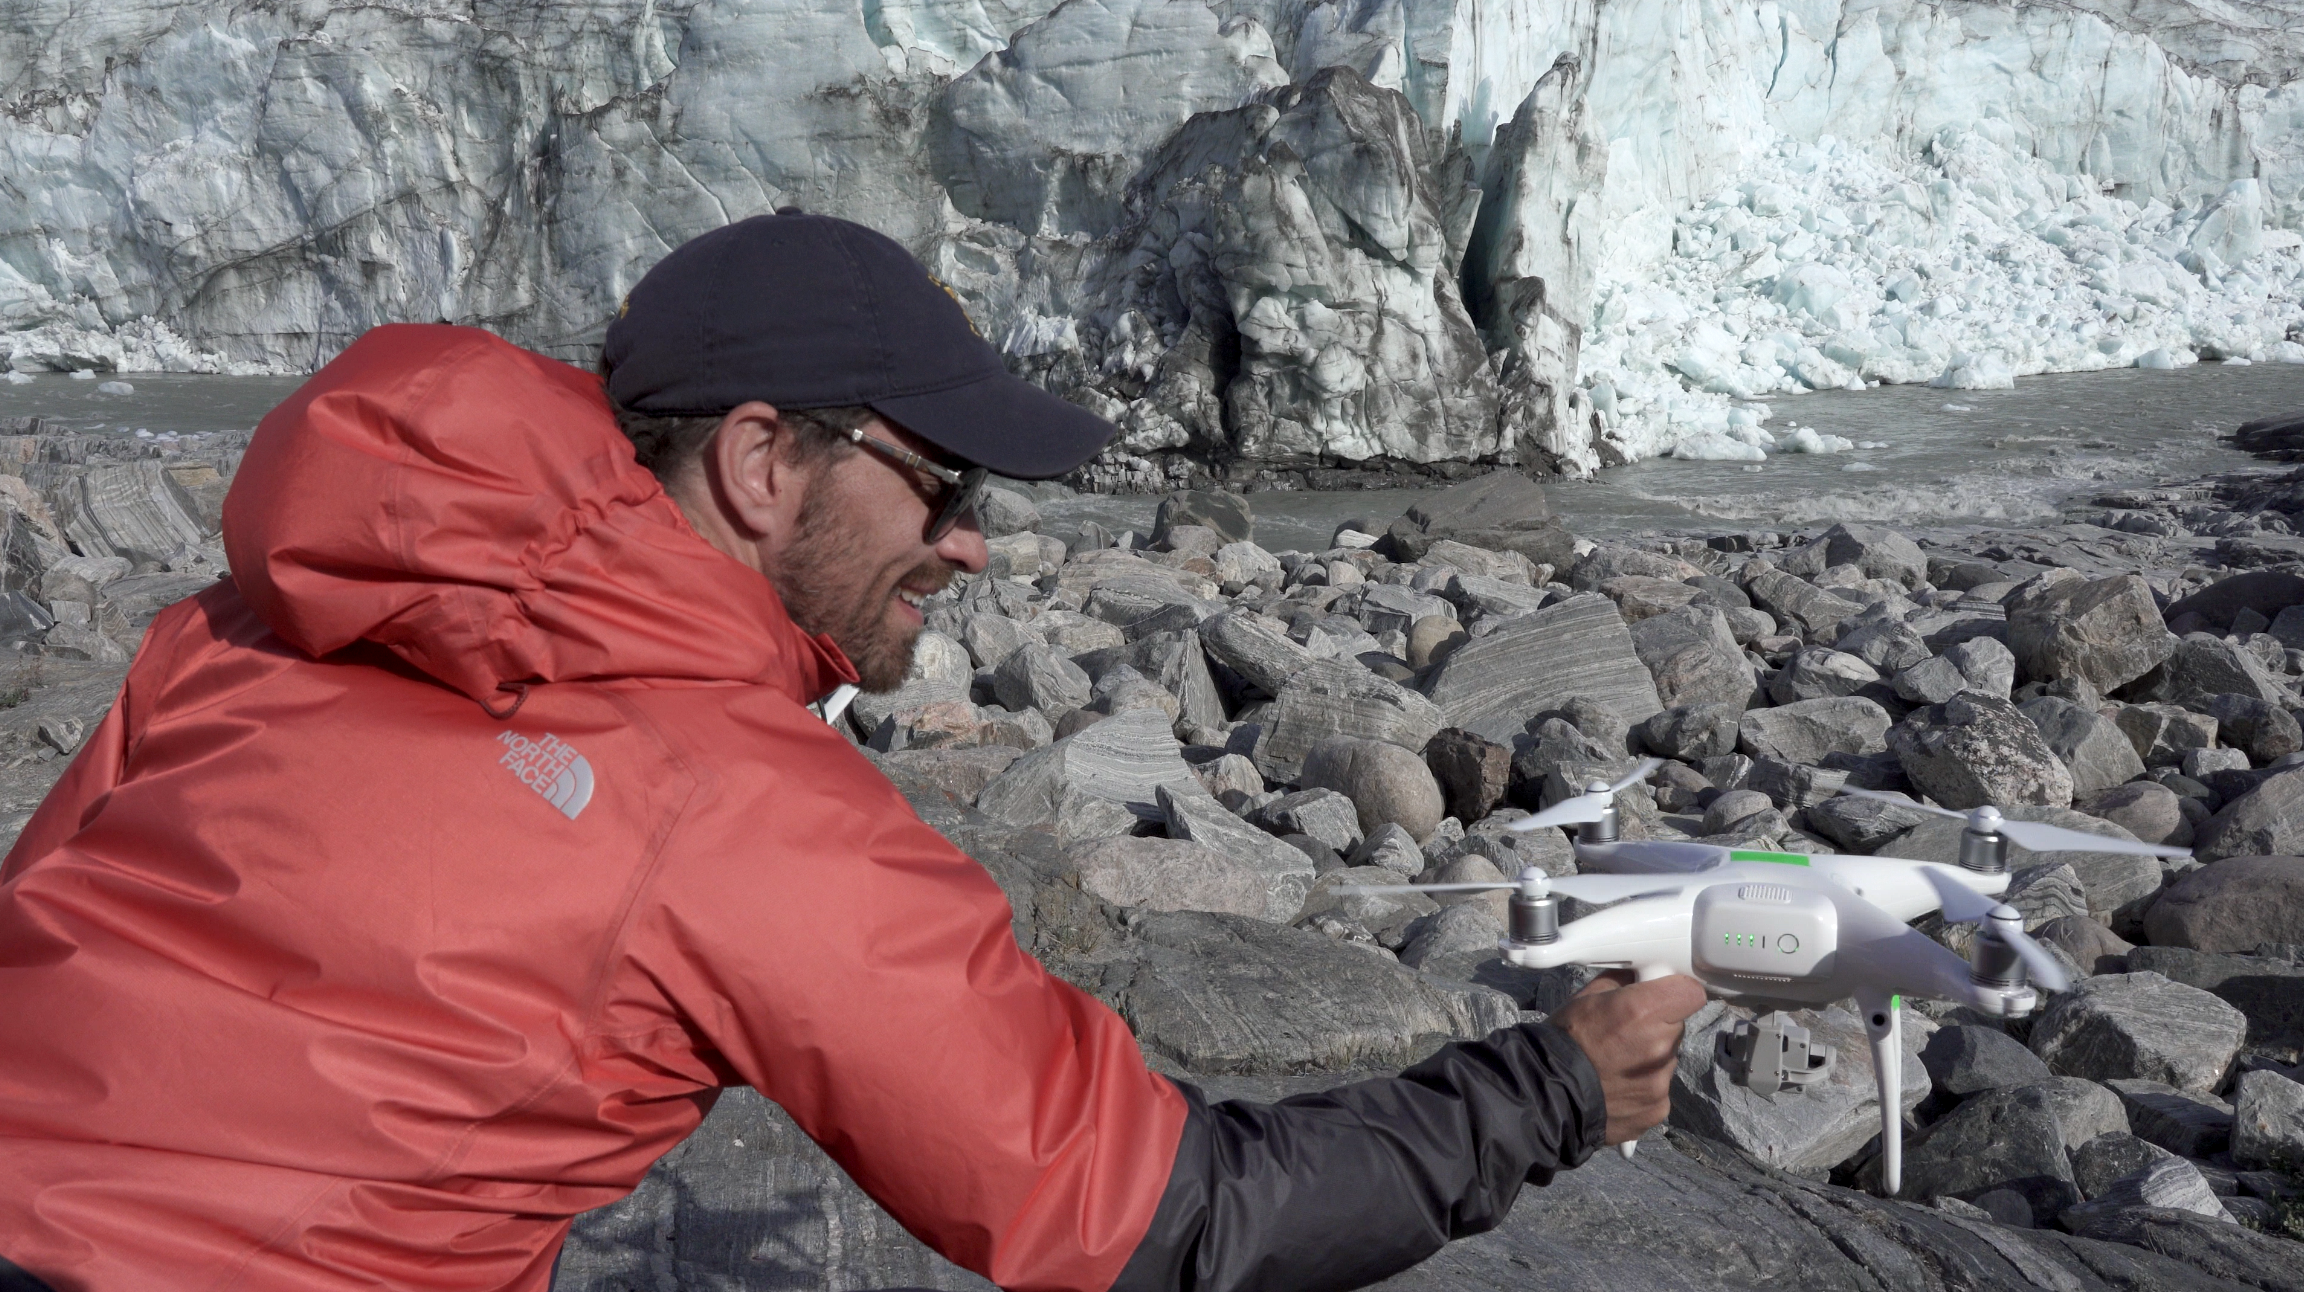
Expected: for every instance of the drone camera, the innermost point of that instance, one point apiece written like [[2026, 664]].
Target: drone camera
[[1764, 931], [1773, 1054]]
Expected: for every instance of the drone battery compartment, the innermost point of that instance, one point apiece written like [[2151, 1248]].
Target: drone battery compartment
[[1765, 931]]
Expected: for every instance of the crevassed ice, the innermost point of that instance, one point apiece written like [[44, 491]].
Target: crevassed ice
[[1828, 266]]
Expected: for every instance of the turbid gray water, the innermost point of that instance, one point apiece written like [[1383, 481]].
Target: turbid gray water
[[1945, 457]]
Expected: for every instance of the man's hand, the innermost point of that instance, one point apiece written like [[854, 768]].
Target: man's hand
[[1631, 1033]]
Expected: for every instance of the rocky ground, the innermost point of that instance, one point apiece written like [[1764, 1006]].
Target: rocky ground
[[1172, 749]]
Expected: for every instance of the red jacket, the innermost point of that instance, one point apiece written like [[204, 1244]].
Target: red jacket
[[315, 972]]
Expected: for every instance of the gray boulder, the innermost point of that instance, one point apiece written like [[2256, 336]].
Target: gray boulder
[[1977, 749], [1329, 698], [1225, 993], [1930, 681], [2269, 990], [1121, 762], [2201, 666], [958, 775], [1580, 646], [1962, 1060], [1879, 552], [2084, 1109], [2140, 1025], [1807, 731], [2267, 820], [1987, 666], [1861, 825], [2235, 904], [1692, 732], [1001, 512], [1322, 814], [1226, 513], [1814, 1130], [2103, 1161], [991, 638], [2263, 730], [1248, 646], [1817, 672], [1034, 676], [2163, 733], [1388, 917], [2145, 809], [1888, 645], [1171, 875], [2185, 1122], [2006, 1138], [1473, 772], [2268, 1123], [2091, 946], [2106, 631], [1466, 928], [1692, 654], [1285, 873], [1390, 848], [2169, 1183], [1801, 606], [1385, 782], [1503, 511], [2095, 751]]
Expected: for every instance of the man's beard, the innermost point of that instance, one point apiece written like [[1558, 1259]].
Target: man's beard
[[827, 590]]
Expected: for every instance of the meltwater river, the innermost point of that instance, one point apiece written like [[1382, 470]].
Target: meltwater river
[[1950, 456]]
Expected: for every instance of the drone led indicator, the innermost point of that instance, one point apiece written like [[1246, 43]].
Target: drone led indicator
[[1779, 858]]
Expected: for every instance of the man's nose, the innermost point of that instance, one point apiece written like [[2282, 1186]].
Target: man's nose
[[964, 546]]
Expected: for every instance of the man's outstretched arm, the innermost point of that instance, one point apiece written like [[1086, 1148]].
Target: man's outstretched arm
[[1346, 1187]]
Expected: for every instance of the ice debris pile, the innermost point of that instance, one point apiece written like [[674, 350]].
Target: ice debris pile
[[1829, 267]]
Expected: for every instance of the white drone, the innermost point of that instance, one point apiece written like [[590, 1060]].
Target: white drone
[[1782, 930]]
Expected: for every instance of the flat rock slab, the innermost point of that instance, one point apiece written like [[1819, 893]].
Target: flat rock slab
[[1491, 686], [1223, 993], [1123, 760], [749, 1201], [2140, 1025], [1333, 698], [2268, 991], [2235, 904]]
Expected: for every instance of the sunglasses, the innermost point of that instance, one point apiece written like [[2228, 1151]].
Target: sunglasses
[[961, 488]]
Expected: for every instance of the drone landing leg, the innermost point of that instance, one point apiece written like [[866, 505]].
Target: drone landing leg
[[1643, 974], [1884, 1023]]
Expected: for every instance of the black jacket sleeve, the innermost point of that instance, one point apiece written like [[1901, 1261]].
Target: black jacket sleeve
[[1346, 1187]]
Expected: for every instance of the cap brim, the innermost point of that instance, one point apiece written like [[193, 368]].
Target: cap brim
[[1005, 423]]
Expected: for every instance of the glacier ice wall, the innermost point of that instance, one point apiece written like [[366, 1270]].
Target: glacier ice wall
[[1565, 232]]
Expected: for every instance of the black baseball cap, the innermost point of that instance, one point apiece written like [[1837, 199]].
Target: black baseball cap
[[810, 311]]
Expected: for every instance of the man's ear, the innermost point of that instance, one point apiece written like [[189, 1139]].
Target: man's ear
[[755, 486]]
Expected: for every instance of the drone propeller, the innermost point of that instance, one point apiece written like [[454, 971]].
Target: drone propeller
[[2035, 835], [1599, 890], [1964, 905], [1588, 806]]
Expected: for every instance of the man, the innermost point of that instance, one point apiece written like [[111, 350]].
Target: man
[[430, 877]]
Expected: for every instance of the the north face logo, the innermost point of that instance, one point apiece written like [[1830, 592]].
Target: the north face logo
[[551, 767]]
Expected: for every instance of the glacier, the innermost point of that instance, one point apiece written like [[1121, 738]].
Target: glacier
[[1261, 235]]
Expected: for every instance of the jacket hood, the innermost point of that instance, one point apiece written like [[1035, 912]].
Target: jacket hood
[[473, 508]]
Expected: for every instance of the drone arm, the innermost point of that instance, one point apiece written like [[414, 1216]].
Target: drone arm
[[1346, 1187], [1649, 935]]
